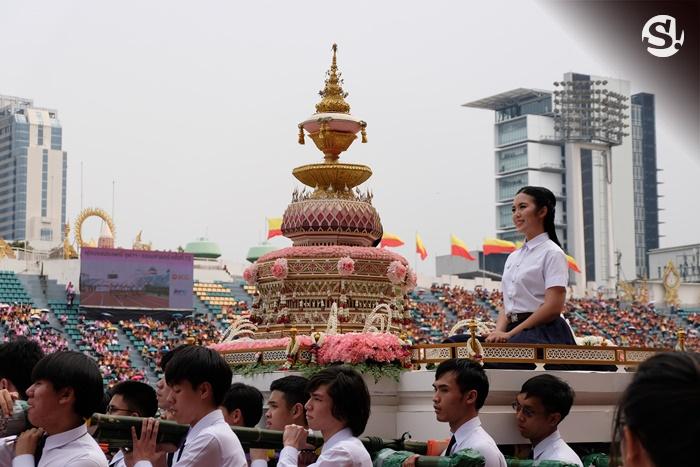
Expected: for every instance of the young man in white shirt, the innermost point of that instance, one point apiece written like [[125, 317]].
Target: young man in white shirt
[[285, 406], [338, 407], [133, 399], [544, 401], [67, 388], [198, 378], [461, 387], [242, 405]]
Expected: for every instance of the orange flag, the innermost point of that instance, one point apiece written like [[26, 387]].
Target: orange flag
[[390, 240], [420, 248], [458, 248], [572, 263], [496, 245], [274, 227]]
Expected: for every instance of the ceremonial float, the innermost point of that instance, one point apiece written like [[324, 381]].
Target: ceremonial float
[[333, 297]]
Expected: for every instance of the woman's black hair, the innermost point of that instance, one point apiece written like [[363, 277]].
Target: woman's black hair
[[544, 198], [658, 407]]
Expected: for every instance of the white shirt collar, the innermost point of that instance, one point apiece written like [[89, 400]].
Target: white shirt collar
[[534, 242], [65, 437], [342, 435], [545, 444], [208, 420], [466, 428]]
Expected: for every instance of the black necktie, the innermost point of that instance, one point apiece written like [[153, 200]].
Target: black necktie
[[39, 450], [453, 441]]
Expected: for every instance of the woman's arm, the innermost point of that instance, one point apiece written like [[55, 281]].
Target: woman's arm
[[499, 334]]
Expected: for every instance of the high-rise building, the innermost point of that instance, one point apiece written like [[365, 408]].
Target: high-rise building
[[574, 141], [32, 173], [646, 197]]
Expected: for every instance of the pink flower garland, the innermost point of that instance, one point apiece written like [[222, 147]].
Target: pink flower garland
[[250, 274], [280, 269], [346, 266], [360, 347], [396, 272], [336, 348]]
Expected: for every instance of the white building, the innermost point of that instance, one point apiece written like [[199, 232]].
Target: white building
[[32, 174], [574, 141]]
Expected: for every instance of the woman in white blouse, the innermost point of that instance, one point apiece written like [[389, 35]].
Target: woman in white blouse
[[535, 276], [338, 407]]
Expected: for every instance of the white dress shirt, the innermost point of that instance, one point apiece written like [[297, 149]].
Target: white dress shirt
[[530, 270], [210, 442], [553, 448], [72, 448], [471, 436], [342, 449], [118, 460]]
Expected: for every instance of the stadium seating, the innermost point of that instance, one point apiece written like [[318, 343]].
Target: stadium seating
[[11, 289]]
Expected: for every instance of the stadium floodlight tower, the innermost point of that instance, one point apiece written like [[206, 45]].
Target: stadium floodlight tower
[[590, 118]]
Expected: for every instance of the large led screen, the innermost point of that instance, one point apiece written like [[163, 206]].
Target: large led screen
[[118, 278]]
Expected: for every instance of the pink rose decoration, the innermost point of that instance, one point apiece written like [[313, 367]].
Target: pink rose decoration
[[250, 274], [411, 280], [280, 269], [346, 266], [396, 272]]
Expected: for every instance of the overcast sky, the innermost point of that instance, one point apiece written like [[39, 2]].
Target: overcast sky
[[192, 109]]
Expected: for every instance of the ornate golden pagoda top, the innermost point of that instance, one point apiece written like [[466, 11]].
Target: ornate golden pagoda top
[[332, 95]]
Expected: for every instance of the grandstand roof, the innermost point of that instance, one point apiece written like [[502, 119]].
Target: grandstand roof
[[506, 99], [203, 248], [257, 251]]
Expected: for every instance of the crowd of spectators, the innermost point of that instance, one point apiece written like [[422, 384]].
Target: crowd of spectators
[[630, 325], [100, 339], [635, 324], [157, 337], [434, 312], [23, 320]]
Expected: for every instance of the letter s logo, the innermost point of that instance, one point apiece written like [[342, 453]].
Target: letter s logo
[[659, 36]]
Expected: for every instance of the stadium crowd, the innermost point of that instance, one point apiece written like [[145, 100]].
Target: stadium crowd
[[434, 312]]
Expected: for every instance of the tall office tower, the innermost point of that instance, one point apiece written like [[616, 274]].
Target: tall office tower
[[32, 173], [572, 140], [646, 197]]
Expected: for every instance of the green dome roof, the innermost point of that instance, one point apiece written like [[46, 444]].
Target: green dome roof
[[257, 251], [203, 248]]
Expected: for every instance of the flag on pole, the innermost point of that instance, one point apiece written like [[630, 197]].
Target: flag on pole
[[458, 248], [420, 248], [274, 227], [572, 263], [496, 245], [390, 240]]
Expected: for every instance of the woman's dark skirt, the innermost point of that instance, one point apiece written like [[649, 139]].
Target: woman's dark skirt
[[554, 332]]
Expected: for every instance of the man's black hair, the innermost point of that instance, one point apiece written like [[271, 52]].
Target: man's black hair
[[293, 388], [347, 389], [556, 396], [469, 375], [248, 400], [17, 360], [69, 369], [197, 365], [139, 397], [167, 356]]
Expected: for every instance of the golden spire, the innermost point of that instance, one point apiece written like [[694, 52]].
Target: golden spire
[[333, 96]]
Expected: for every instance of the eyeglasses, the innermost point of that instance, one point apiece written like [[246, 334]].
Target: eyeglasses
[[112, 409], [527, 411]]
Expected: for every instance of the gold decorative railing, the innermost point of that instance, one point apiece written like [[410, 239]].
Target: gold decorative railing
[[492, 353]]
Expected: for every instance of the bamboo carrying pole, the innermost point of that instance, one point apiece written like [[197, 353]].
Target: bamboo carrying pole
[[116, 431]]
